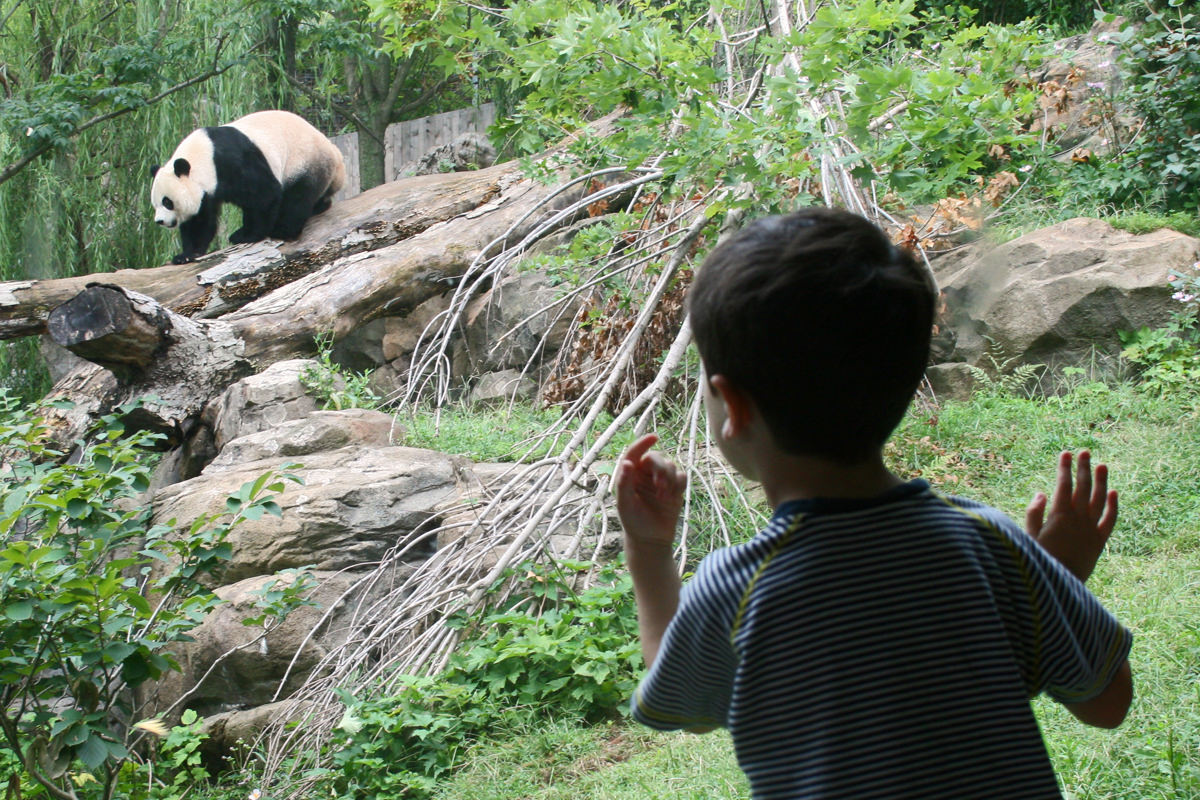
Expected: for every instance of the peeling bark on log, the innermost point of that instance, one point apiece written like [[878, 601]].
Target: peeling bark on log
[[390, 281]]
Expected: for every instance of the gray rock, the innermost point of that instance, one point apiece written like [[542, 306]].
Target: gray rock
[[234, 732], [320, 431], [503, 387], [402, 333], [355, 505], [260, 402], [1060, 295], [466, 152], [951, 381], [231, 671], [508, 325], [1081, 84]]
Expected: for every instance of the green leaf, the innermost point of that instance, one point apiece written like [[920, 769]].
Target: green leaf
[[19, 611], [135, 670], [117, 652], [76, 735], [93, 752], [77, 508]]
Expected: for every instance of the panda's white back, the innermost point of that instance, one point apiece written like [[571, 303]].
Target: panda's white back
[[287, 141]]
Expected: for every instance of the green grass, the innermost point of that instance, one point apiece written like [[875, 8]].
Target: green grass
[[491, 432], [1145, 222], [1000, 450]]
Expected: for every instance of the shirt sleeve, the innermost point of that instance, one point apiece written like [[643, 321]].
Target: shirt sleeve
[[1079, 644], [691, 681]]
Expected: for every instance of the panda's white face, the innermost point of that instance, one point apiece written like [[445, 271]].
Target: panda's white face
[[176, 198], [179, 185]]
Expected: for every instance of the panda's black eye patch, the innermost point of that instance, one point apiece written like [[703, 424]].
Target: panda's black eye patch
[[167, 204]]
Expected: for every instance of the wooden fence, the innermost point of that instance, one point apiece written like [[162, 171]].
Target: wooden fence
[[405, 142]]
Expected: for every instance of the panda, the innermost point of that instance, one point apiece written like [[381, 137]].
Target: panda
[[274, 165]]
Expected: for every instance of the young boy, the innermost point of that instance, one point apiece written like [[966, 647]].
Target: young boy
[[877, 639]]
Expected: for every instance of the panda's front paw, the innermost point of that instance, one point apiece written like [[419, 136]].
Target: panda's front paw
[[183, 258]]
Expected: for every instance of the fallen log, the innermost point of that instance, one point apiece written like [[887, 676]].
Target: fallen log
[[102, 325], [138, 351]]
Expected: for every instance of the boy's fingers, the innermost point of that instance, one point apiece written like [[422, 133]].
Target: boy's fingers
[[1099, 491], [632, 457], [1034, 514], [1083, 479], [1109, 520], [1062, 486], [639, 448]]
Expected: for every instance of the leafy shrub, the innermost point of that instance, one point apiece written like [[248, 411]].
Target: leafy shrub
[[1163, 59], [1169, 358], [92, 596], [335, 387], [936, 110], [577, 653], [578, 657]]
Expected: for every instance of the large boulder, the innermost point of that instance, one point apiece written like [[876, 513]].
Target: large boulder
[[1062, 294], [261, 402], [229, 666], [320, 431], [356, 504], [522, 320]]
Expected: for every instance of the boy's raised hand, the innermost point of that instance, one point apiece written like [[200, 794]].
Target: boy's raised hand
[[649, 491], [1081, 516]]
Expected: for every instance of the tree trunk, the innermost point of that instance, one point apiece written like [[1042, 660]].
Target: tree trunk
[[371, 154], [102, 325], [139, 350]]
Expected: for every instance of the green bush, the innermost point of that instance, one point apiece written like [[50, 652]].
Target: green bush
[[92, 596], [1169, 358], [550, 652], [1163, 60]]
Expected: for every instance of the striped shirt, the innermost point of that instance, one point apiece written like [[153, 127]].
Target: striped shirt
[[883, 649]]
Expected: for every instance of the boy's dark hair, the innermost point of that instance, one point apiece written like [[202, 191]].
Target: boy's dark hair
[[823, 322]]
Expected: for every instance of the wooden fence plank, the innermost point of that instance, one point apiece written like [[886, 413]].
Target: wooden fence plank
[[406, 142]]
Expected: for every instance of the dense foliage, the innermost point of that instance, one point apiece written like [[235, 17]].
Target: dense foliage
[[1164, 64], [551, 652], [92, 597]]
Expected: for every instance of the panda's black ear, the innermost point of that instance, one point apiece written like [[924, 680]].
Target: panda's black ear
[[154, 170], [182, 167]]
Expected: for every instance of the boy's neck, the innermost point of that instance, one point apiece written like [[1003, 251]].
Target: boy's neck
[[791, 477]]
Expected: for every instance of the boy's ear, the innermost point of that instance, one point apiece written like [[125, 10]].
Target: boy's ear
[[740, 409]]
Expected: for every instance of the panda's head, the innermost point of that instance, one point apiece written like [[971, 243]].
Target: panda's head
[[180, 184], [175, 196]]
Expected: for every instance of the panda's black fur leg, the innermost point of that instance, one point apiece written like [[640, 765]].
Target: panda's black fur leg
[[300, 199], [197, 233], [245, 179]]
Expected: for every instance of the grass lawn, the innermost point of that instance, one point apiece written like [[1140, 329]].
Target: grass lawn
[[999, 450]]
